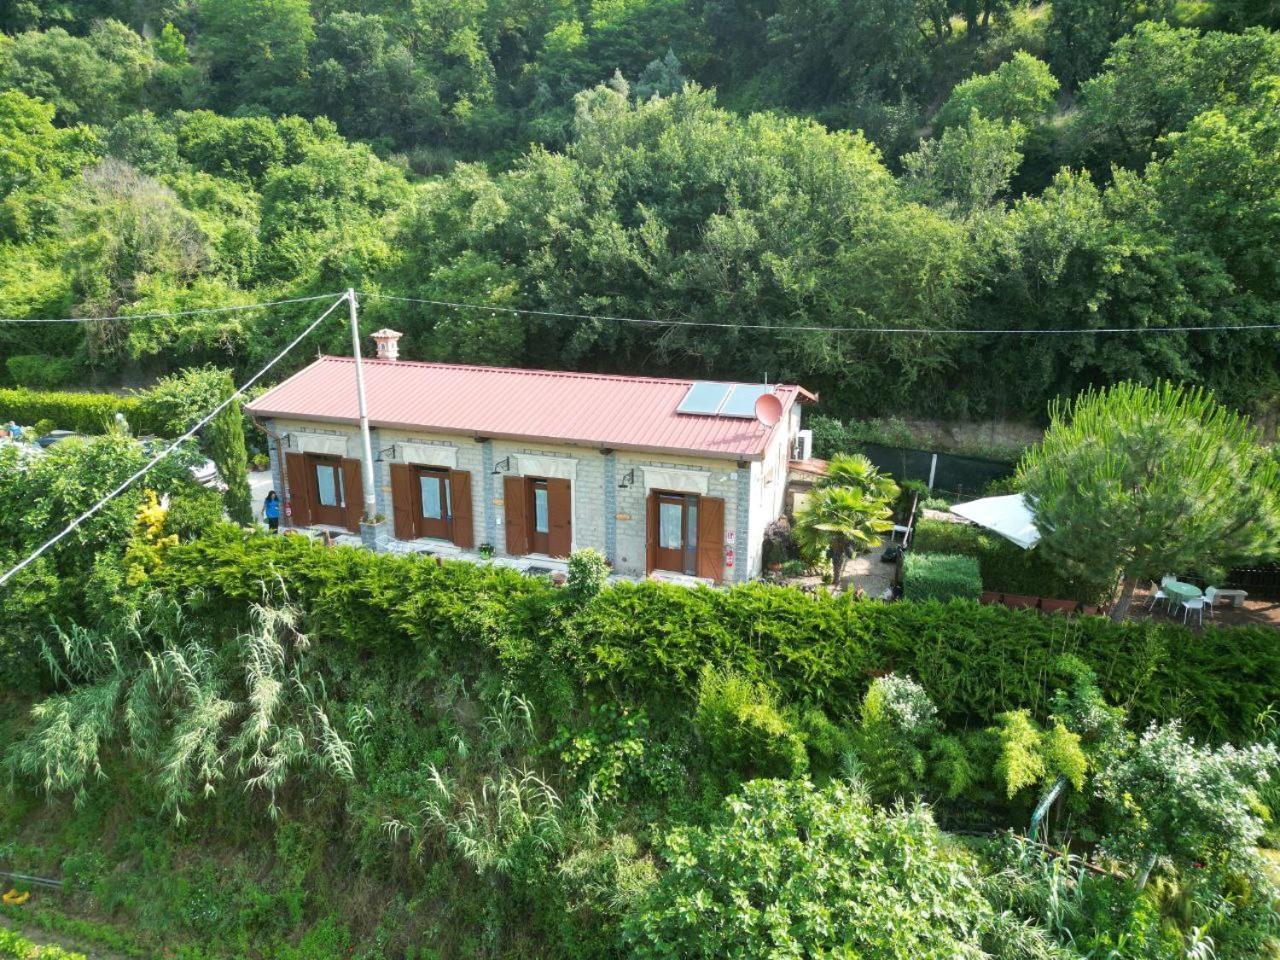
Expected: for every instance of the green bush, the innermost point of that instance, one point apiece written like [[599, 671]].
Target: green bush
[[41, 371], [973, 660], [13, 944], [193, 513], [940, 576], [794, 871], [1004, 566], [744, 728], [82, 412]]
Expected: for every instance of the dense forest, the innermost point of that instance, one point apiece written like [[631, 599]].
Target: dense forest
[[947, 165]]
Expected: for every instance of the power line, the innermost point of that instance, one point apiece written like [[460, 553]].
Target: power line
[[171, 448], [784, 328], [179, 313]]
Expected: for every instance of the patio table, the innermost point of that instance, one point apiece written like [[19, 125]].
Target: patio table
[[1177, 592]]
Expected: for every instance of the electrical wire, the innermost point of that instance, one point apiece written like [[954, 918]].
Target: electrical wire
[[784, 328], [169, 449], [180, 313]]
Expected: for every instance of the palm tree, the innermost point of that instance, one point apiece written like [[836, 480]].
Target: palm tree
[[838, 520], [855, 470]]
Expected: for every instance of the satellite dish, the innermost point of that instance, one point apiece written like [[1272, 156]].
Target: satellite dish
[[768, 409]]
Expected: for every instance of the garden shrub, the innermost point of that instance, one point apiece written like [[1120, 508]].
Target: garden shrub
[[13, 944], [82, 412], [940, 576], [588, 574], [973, 660], [794, 871], [743, 726], [40, 371], [1004, 566], [896, 722]]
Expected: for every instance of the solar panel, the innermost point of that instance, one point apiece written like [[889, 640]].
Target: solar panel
[[703, 398], [741, 401]]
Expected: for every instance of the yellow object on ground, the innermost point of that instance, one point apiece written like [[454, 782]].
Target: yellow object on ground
[[15, 899]]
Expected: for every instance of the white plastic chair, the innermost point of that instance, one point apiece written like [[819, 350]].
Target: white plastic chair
[[1197, 604], [1158, 593], [1210, 597]]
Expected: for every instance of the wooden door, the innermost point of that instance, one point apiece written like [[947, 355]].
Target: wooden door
[[325, 478], [672, 534], [433, 498], [353, 491], [560, 518], [298, 493], [675, 538], [402, 501], [538, 510], [710, 550], [514, 496], [464, 533]]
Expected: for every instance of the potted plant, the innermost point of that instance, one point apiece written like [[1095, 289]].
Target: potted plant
[[486, 551]]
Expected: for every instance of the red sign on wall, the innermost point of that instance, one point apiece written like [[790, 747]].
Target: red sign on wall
[[728, 557]]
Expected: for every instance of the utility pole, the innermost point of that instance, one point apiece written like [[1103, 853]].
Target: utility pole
[[366, 461]]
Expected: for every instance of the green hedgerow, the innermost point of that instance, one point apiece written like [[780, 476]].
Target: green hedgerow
[[940, 576]]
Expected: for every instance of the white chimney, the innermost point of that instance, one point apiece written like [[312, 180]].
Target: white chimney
[[388, 342]]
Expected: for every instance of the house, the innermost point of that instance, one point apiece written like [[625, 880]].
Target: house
[[660, 475]]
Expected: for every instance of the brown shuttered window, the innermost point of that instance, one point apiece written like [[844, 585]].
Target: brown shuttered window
[[298, 495], [353, 489], [402, 501], [513, 498], [711, 538], [560, 518], [460, 493]]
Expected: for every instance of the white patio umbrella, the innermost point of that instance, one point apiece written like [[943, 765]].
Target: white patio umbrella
[[1008, 516]]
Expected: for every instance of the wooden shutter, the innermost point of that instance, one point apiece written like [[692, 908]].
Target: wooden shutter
[[402, 501], [513, 493], [298, 496], [559, 518], [353, 490], [651, 534], [711, 538], [464, 533]]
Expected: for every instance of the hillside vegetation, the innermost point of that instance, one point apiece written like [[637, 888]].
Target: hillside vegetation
[[878, 164]]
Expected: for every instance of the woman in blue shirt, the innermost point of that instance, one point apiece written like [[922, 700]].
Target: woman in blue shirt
[[271, 511]]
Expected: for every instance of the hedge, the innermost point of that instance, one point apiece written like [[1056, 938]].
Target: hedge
[[975, 661], [1004, 566], [39, 370], [940, 576], [82, 412]]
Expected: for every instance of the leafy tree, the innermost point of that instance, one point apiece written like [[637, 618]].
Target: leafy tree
[[1021, 89], [180, 401], [257, 50], [969, 167], [1082, 31], [124, 229], [1157, 79], [1135, 482], [794, 870], [33, 152], [91, 79]]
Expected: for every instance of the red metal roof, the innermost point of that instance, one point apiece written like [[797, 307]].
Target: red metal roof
[[599, 410]]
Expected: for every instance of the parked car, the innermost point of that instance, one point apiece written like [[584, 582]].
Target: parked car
[[206, 474], [55, 436]]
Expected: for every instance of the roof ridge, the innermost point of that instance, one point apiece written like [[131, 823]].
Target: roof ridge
[[537, 371]]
